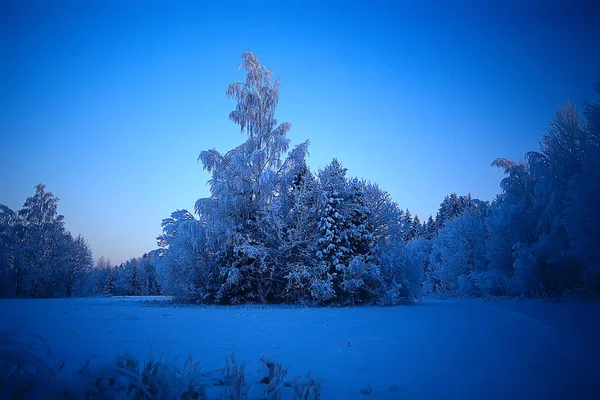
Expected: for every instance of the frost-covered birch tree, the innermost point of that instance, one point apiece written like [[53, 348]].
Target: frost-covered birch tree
[[247, 184]]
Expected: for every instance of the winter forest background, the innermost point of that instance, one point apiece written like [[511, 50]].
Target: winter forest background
[[273, 231]]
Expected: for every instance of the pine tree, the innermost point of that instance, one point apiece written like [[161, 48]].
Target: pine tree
[[361, 279], [408, 225], [152, 287], [134, 284], [109, 286], [451, 207], [333, 246], [417, 228], [430, 229], [360, 229]]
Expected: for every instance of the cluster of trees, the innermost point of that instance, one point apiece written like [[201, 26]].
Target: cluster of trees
[[135, 277], [273, 231], [38, 256], [540, 236]]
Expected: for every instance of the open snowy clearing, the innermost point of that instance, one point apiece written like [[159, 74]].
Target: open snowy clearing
[[459, 349]]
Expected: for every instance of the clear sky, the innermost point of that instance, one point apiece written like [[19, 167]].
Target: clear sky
[[109, 103]]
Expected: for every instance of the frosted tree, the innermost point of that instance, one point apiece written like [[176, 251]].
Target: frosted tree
[[147, 276], [39, 257], [97, 287], [561, 157], [512, 227], [333, 249], [297, 245], [44, 244], [361, 235], [385, 217], [408, 225], [122, 277], [78, 264], [134, 285], [187, 256], [563, 168], [402, 267], [529, 236], [397, 280], [246, 187], [539, 224], [451, 207], [109, 285], [98, 275], [429, 229], [153, 287], [459, 254], [581, 216], [417, 228], [11, 245], [102, 263], [361, 280]]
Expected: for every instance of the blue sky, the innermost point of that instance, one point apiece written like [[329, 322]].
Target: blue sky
[[109, 103]]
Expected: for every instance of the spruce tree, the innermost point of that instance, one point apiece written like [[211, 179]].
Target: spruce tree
[[109, 286]]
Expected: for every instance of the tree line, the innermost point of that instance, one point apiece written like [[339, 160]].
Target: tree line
[[39, 257], [273, 231]]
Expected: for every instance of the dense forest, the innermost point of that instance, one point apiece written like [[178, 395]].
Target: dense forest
[[273, 231]]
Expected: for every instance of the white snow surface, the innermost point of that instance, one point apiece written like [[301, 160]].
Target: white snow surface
[[446, 349]]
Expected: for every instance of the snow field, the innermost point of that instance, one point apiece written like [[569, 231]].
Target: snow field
[[447, 349]]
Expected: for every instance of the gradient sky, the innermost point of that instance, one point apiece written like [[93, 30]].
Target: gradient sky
[[109, 103]]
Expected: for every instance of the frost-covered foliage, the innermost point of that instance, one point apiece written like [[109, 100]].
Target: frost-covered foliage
[[39, 257], [403, 265], [451, 207], [272, 231], [186, 263], [582, 215], [135, 277], [345, 240], [458, 254], [540, 236], [244, 214], [333, 245], [303, 279], [386, 219], [582, 220]]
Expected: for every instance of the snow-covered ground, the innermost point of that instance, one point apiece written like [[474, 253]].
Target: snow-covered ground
[[459, 349]]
